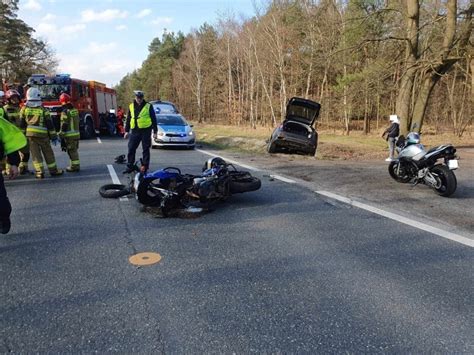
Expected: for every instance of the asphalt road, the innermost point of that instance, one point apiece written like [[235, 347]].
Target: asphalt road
[[278, 270]]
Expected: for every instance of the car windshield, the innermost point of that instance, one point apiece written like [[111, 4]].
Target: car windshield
[[51, 91], [164, 108], [302, 112], [165, 120]]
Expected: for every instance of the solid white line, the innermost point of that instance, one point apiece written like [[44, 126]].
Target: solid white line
[[284, 179], [427, 228], [115, 179], [229, 160], [99, 140]]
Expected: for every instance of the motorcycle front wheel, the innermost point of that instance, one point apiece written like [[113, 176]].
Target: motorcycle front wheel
[[147, 195], [398, 172], [447, 180]]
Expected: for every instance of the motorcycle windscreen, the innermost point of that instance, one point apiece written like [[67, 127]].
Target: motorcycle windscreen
[[302, 110]]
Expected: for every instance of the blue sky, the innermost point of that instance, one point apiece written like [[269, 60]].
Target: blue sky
[[105, 39]]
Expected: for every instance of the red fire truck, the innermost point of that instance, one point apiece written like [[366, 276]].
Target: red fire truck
[[93, 100]]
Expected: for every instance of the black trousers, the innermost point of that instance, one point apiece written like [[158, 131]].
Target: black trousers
[[136, 137], [5, 207]]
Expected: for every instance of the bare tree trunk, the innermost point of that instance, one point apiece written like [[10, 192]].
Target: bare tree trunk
[[230, 91], [408, 78], [259, 67], [196, 53]]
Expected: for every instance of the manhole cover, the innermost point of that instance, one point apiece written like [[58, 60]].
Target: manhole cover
[[143, 259]]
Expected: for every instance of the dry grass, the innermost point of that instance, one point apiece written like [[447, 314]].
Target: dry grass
[[331, 146]]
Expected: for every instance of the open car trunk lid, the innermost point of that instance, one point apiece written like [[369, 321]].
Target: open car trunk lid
[[302, 110]]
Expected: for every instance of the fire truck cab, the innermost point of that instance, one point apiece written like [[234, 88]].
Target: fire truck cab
[[93, 100]]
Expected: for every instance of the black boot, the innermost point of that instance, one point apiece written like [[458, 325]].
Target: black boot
[[5, 225], [129, 169]]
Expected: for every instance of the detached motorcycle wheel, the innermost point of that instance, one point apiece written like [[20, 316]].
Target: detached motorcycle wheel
[[402, 176], [113, 191], [447, 179]]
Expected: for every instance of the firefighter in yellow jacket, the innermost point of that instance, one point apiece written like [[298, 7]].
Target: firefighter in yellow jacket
[[12, 110], [11, 140], [39, 131], [70, 131]]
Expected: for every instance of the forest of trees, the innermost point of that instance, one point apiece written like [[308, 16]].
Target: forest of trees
[[20, 53], [361, 59]]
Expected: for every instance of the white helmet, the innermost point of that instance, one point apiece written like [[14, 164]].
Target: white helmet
[[394, 118], [33, 94]]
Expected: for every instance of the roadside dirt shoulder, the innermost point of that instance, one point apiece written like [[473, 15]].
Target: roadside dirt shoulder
[[368, 181]]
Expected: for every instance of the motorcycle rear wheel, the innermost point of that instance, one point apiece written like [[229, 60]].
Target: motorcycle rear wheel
[[448, 180], [244, 182], [392, 170]]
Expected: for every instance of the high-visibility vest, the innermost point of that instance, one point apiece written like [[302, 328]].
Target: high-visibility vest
[[143, 119], [2, 113], [71, 118], [11, 137]]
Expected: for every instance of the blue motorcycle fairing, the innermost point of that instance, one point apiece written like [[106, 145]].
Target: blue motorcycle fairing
[[162, 174]]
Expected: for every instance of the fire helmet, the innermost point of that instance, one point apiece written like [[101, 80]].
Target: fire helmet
[[33, 94], [12, 93], [64, 98]]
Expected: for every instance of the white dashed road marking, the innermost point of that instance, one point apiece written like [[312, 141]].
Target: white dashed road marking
[[115, 179], [284, 179], [425, 227]]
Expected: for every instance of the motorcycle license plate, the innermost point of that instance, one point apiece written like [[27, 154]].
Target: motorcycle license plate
[[453, 164]]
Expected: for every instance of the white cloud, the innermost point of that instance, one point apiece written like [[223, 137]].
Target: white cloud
[[99, 48], [143, 13], [104, 16], [121, 27], [99, 67], [162, 21], [49, 17], [54, 34], [46, 30], [73, 29], [32, 5]]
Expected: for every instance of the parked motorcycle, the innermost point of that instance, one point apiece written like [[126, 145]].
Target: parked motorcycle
[[434, 168], [169, 189]]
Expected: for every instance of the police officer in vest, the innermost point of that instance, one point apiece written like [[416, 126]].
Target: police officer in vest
[[141, 121]]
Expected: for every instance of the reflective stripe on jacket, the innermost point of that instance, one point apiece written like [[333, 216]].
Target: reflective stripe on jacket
[[38, 122], [11, 137], [13, 113], [70, 123], [143, 119]]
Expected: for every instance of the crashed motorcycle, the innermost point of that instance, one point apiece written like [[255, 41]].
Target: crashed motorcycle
[[434, 168], [169, 189]]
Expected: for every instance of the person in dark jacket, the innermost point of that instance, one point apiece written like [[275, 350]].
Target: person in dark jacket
[[392, 133], [141, 121]]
